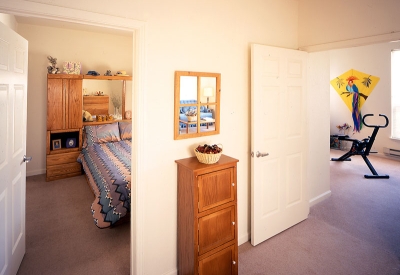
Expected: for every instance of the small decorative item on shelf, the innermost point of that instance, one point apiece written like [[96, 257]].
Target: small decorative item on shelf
[[86, 116], [116, 101], [344, 128], [70, 143], [109, 117], [72, 67], [52, 68], [98, 93], [191, 115], [108, 73], [99, 118], [128, 114], [208, 154], [121, 73], [56, 144], [94, 73]]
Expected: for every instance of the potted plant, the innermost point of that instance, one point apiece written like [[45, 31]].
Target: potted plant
[[191, 115]]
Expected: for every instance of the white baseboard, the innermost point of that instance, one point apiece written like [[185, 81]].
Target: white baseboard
[[320, 198], [244, 239], [172, 272], [35, 172]]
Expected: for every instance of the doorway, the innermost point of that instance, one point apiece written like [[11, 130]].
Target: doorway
[[137, 29]]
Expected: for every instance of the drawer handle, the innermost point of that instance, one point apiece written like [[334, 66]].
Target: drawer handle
[[233, 262], [233, 223], [233, 184]]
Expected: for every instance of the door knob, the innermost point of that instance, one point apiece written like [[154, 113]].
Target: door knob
[[258, 154], [27, 159]]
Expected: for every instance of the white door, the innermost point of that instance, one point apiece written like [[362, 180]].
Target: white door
[[279, 195], [13, 91]]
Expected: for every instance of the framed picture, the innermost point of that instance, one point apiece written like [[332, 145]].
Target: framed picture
[[56, 144]]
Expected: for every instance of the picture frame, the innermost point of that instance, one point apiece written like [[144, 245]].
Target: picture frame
[[56, 144]]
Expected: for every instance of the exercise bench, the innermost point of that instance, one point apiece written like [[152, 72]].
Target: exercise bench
[[363, 147]]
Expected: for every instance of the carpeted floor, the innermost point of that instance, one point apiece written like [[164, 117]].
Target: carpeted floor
[[355, 231], [61, 237]]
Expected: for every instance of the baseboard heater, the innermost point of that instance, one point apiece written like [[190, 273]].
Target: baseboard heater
[[391, 152]]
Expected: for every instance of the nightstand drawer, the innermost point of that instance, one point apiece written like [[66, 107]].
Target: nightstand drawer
[[62, 158], [63, 169]]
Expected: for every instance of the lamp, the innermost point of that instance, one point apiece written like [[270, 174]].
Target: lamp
[[208, 91]]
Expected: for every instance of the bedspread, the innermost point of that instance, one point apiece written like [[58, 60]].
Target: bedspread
[[108, 169]]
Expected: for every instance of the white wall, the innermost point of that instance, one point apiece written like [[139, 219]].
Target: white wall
[[96, 51], [374, 60], [318, 126]]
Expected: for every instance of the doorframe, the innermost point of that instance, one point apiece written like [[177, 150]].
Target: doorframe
[[138, 29]]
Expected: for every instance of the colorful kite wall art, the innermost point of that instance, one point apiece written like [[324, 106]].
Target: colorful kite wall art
[[354, 87]]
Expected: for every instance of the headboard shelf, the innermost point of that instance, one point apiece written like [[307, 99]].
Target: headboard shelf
[[90, 123]]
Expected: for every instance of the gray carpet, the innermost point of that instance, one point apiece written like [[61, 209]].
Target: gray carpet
[[61, 237], [355, 231]]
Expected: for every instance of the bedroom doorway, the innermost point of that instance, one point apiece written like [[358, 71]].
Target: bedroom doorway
[[137, 29]]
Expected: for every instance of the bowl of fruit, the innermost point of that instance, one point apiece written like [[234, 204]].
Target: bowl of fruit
[[208, 154]]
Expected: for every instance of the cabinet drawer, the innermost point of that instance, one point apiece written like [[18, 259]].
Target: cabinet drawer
[[221, 263], [63, 169], [216, 229], [216, 188], [62, 158]]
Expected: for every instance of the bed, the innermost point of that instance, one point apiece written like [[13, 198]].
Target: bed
[[106, 161]]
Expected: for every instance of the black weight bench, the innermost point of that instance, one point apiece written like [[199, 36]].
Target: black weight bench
[[363, 147]]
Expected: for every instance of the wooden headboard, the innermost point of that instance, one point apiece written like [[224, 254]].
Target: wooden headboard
[[96, 105]]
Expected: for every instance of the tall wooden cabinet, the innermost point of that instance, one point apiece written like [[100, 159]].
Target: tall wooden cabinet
[[64, 122], [207, 217]]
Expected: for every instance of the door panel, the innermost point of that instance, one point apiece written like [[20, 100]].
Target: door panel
[[55, 109], [279, 129], [13, 100], [75, 104]]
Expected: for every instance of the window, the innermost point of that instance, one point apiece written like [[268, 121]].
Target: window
[[395, 94]]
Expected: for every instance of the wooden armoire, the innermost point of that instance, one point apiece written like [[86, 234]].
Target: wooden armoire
[[64, 124]]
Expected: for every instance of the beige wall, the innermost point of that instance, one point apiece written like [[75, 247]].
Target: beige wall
[[96, 51], [213, 36], [343, 23]]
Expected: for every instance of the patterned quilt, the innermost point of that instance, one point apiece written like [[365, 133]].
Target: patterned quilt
[[108, 168]]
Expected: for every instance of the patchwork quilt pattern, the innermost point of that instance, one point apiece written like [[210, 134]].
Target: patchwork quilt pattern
[[108, 168]]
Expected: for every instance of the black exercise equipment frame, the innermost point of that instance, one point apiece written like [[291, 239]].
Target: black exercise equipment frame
[[363, 147]]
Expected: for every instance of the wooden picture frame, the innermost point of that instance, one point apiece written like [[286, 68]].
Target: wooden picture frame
[[56, 144]]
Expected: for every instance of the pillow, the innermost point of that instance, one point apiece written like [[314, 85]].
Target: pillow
[[101, 134], [125, 130], [185, 109], [203, 109]]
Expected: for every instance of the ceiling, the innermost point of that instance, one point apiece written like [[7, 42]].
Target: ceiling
[[69, 25]]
